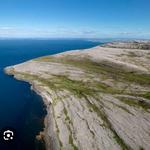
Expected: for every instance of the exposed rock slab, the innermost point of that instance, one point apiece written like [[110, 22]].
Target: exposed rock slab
[[97, 99]]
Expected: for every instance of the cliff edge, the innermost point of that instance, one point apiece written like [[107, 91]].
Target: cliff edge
[[97, 99]]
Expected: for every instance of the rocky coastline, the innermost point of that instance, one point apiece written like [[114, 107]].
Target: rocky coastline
[[97, 98]]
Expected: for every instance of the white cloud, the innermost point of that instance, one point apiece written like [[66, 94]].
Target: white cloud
[[38, 32], [66, 32]]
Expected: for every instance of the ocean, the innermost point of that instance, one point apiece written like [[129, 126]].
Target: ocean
[[21, 108]]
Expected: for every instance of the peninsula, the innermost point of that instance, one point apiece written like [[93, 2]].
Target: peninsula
[[96, 99]]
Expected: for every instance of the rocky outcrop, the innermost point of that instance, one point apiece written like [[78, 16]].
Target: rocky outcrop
[[96, 99], [130, 44]]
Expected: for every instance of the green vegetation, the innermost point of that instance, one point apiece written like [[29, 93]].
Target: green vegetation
[[104, 68], [75, 87], [60, 82], [141, 148], [102, 87], [79, 87], [71, 142], [136, 103], [67, 117], [111, 71], [146, 95]]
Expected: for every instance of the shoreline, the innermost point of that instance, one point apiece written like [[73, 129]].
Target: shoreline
[[88, 95], [46, 105]]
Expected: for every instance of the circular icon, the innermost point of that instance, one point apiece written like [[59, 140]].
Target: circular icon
[[8, 134]]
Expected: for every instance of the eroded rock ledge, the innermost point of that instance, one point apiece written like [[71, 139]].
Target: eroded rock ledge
[[97, 99]]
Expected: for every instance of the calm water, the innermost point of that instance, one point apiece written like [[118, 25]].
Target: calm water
[[21, 108]]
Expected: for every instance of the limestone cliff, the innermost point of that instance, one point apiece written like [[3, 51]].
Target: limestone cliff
[[97, 99]]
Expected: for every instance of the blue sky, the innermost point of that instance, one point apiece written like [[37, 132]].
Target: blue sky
[[75, 18]]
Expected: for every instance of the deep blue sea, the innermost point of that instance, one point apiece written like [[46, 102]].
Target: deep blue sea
[[21, 108]]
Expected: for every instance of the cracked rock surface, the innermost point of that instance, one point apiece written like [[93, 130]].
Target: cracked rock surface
[[97, 99]]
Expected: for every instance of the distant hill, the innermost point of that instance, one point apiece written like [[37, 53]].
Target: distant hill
[[130, 45]]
